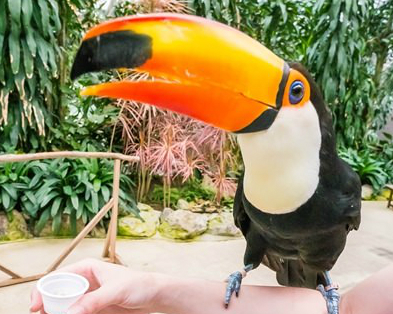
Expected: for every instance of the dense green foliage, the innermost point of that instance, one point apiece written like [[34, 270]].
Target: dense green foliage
[[190, 192], [53, 188], [28, 71]]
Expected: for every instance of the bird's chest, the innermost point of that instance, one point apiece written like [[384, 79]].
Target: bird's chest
[[290, 234]]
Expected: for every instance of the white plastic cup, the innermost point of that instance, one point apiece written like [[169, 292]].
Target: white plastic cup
[[61, 290]]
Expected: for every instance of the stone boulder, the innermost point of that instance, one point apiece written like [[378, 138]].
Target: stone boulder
[[182, 224], [184, 205], [131, 226], [367, 192], [98, 232], [14, 229], [222, 224], [144, 207]]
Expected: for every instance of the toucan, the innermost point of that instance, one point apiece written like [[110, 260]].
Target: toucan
[[297, 200]]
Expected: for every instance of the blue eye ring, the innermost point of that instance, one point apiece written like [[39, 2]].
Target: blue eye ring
[[296, 92]]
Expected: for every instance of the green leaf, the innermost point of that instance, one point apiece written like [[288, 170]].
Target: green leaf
[[3, 27], [94, 202], [13, 42], [13, 39], [97, 185], [79, 212], [5, 199], [105, 193], [10, 190], [47, 198], [56, 224], [43, 220], [31, 43], [15, 8], [283, 11], [27, 13], [67, 190], [75, 201], [44, 10], [55, 206], [28, 60], [42, 47], [35, 180], [55, 14], [31, 197], [73, 223]]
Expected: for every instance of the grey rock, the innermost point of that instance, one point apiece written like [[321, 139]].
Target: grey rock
[[367, 191], [144, 207], [182, 224], [183, 204], [223, 224]]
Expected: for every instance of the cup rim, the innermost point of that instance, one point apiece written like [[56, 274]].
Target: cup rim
[[76, 276]]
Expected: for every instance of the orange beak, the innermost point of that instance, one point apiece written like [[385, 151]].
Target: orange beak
[[200, 68]]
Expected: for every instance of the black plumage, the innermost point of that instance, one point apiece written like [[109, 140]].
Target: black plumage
[[302, 244]]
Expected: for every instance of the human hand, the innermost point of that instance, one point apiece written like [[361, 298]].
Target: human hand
[[113, 289]]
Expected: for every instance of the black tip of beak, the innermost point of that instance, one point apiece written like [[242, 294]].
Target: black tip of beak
[[120, 49]]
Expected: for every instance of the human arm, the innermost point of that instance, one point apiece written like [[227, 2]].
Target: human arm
[[117, 289], [372, 296]]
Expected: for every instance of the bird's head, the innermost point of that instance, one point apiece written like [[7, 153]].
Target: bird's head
[[200, 68]]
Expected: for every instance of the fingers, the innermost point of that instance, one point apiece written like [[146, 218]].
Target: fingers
[[84, 268], [95, 301], [36, 301]]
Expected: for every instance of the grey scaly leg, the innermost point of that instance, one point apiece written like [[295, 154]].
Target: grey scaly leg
[[234, 282], [330, 294]]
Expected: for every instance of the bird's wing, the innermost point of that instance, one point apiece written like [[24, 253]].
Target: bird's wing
[[349, 200], [242, 221]]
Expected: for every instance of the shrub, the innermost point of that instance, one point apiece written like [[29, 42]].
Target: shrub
[[373, 164], [53, 188]]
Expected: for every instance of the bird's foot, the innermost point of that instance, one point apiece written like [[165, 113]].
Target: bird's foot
[[234, 282], [331, 295]]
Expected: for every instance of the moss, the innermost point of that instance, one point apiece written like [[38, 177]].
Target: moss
[[131, 226], [170, 232], [14, 229], [385, 193]]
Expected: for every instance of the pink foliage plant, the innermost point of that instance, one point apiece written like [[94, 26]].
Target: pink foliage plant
[[173, 146]]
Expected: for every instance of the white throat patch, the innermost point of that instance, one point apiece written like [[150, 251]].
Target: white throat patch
[[282, 162]]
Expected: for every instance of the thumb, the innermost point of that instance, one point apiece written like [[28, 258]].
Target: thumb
[[93, 302]]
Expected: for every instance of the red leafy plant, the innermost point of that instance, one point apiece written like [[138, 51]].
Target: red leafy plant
[[173, 146]]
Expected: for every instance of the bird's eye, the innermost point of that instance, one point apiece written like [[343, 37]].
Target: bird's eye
[[296, 92]]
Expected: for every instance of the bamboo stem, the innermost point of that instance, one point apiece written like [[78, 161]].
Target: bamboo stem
[[9, 272], [15, 281], [115, 211], [81, 235], [65, 154]]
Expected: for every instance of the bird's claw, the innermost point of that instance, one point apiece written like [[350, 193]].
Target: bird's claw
[[234, 282], [331, 296]]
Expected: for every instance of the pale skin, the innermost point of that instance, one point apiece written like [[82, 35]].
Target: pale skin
[[116, 289]]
